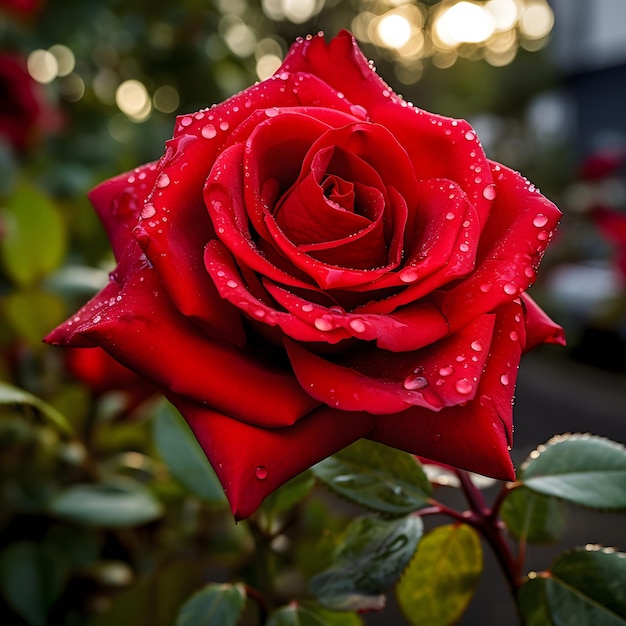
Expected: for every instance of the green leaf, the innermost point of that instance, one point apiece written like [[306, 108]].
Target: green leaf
[[15, 396], [372, 556], [108, 505], [532, 605], [287, 496], [294, 615], [441, 578], [33, 313], [532, 517], [376, 476], [32, 577], [215, 605], [183, 455], [583, 469], [35, 240], [584, 587], [297, 615]]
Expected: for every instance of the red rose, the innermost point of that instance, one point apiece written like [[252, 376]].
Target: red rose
[[23, 111], [316, 260]]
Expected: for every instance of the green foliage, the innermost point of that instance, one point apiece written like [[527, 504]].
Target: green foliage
[[376, 476], [117, 504], [184, 456], [533, 517], [371, 557], [583, 469], [32, 577], [441, 578], [296, 615], [583, 587], [215, 605], [35, 243], [11, 395]]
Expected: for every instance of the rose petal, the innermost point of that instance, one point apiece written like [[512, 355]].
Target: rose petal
[[136, 323], [539, 327], [252, 462], [512, 245], [119, 203], [377, 381]]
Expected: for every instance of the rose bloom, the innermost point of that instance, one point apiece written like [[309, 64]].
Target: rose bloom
[[314, 261]]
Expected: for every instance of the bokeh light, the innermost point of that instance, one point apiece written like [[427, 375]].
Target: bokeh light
[[133, 100]]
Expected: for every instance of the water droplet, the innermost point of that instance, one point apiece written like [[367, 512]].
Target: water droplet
[[224, 125], [489, 192], [97, 319], [414, 383], [148, 211], [272, 112], [446, 371], [163, 181], [450, 215], [307, 308], [463, 386], [232, 284], [485, 287], [186, 121], [464, 247], [208, 131], [513, 335], [358, 111], [476, 346], [510, 289], [261, 472], [323, 325], [470, 136], [540, 220], [358, 326], [504, 379], [408, 275]]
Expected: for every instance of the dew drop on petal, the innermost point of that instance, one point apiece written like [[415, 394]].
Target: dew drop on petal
[[510, 289], [209, 131], [186, 121], [232, 284], [446, 371], [540, 220], [358, 111], [323, 325], [504, 379], [470, 136], [272, 112], [463, 386], [485, 287], [164, 181], [450, 215], [513, 335], [148, 211], [307, 308], [408, 275], [476, 346], [358, 326], [414, 382], [224, 125], [261, 472], [489, 192]]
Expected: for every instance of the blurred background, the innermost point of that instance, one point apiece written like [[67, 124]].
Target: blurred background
[[90, 88]]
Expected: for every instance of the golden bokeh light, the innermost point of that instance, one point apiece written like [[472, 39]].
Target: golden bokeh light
[[133, 100]]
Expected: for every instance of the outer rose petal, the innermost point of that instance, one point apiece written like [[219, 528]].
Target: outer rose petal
[[477, 436], [512, 245], [137, 324], [252, 462], [539, 327]]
